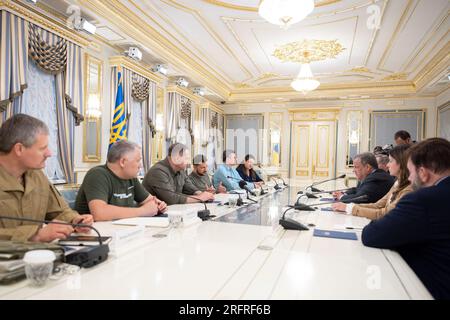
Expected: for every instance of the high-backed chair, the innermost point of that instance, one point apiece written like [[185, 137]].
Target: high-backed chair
[[70, 196]]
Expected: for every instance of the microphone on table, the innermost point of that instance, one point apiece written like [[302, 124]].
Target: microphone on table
[[291, 224], [276, 187], [244, 186], [284, 182], [313, 194], [306, 207], [204, 214], [263, 192], [86, 257], [239, 202], [313, 189]]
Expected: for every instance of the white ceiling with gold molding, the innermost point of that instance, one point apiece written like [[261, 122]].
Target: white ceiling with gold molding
[[235, 45]]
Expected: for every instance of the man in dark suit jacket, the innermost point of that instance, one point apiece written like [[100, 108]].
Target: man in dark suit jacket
[[372, 182], [419, 227]]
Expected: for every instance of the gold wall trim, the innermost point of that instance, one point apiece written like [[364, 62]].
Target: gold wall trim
[[424, 43], [42, 19], [431, 70], [326, 91], [205, 103], [139, 68], [441, 109], [185, 93], [212, 106]]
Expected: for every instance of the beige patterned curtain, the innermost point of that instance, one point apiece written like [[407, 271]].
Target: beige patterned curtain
[[13, 62], [144, 91], [173, 117]]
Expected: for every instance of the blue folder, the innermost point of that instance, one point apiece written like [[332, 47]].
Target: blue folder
[[335, 234], [328, 199], [326, 209]]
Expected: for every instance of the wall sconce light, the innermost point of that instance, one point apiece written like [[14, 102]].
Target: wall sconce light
[[354, 139], [182, 82], [275, 136], [159, 125], [93, 107]]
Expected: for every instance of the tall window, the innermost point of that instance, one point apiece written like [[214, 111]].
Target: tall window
[[39, 101]]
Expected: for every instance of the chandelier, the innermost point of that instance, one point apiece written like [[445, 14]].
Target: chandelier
[[304, 52], [305, 81], [285, 12]]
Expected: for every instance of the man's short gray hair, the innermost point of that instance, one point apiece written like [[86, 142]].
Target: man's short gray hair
[[20, 128], [120, 149], [367, 158], [383, 159]]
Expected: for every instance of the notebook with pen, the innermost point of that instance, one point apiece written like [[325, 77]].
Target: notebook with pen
[[335, 234]]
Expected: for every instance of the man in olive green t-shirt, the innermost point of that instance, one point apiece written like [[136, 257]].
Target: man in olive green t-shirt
[[112, 191]]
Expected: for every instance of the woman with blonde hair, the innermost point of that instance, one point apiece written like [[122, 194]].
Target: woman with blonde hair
[[397, 165]]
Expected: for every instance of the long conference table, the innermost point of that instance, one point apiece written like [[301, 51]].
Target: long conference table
[[240, 254]]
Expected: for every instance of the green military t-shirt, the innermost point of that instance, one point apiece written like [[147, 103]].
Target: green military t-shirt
[[100, 183]]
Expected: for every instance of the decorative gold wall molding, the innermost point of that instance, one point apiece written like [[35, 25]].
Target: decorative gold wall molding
[[396, 76], [185, 93], [39, 18], [431, 70], [139, 68], [212, 106], [326, 91], [197, 99], [320, 114]]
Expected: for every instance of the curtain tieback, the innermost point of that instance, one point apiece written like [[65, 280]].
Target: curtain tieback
[[78, 116]]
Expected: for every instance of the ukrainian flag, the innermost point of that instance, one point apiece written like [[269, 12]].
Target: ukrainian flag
[[119, 125]]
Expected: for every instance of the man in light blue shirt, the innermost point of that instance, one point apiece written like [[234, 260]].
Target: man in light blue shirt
[[226, 170]]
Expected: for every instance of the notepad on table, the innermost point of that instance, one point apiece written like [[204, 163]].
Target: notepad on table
[[335, 234]]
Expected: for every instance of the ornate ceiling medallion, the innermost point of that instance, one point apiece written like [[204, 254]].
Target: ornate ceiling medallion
[[306, 51]]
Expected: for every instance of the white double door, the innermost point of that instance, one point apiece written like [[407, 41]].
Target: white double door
[[313, 149]]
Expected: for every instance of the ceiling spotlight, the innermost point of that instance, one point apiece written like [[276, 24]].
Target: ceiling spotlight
[[82, 24], [160, 68], [182, 82], [134, 53], [199, 91], [32, 1]]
